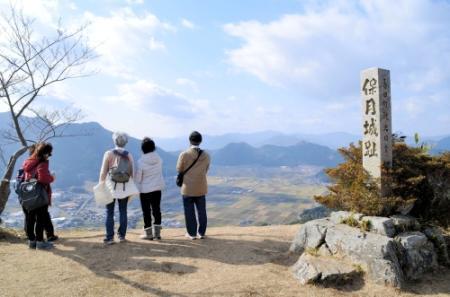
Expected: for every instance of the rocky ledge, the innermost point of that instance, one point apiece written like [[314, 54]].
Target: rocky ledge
[[390, 251]]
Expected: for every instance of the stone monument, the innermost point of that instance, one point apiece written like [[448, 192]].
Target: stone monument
[[377, 122], [348, 246]]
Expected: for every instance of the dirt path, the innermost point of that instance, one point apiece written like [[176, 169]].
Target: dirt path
[[232, 261]]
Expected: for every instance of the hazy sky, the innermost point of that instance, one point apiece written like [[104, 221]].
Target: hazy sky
[[167, 67]]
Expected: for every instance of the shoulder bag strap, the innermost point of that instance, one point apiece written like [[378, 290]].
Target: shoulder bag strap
[[199, 154]]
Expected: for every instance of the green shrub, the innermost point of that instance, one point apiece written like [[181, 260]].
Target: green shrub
[[419, 185], [365, 225], [351, 221], [312, 251]]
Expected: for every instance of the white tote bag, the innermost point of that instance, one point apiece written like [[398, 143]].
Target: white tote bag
[[102, 194]]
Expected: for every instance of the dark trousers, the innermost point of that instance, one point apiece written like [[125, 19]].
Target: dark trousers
[[48, 225], [150, 203], [191, 206], [35, 222], [123, 219]]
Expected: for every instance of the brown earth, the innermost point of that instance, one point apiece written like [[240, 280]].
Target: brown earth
[[232, 261]]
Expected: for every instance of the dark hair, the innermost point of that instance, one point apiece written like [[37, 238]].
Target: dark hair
[[195, 138], [148, 145], [42, 149]]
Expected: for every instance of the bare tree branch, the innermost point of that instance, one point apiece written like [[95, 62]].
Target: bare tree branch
[[28, 66], [2, 157]]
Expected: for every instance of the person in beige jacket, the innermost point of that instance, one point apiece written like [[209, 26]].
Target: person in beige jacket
[[195, 186]]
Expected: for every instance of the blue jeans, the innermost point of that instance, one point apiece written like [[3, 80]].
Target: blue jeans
[[110, 218], [190, 205]]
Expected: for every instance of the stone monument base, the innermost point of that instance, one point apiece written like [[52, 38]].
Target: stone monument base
[[390, 251]]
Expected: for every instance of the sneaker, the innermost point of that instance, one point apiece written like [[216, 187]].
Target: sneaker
[[53, 238], [108, 241], [44, 245], [201, 236], [190, 237], [32, 244], [122, 240]]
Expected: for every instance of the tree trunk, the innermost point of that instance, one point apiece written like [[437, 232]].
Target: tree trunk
[[5, 183]]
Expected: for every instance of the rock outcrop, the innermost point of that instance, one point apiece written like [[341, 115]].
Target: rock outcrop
[[390, 251], [311, 269]]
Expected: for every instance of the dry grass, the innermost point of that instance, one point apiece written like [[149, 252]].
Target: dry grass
[[232, 261]]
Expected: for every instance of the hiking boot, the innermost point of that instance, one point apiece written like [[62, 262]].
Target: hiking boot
[[157, 234], [108, 241], [32, 244], [52, 238], [190, 237], [44, 245], [148, 234]]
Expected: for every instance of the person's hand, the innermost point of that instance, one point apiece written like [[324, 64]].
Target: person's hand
[[54, 176]]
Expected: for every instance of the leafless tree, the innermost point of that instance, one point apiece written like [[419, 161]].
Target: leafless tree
[[29, 64]]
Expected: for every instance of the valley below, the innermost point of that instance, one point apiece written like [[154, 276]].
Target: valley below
[[238, 195]]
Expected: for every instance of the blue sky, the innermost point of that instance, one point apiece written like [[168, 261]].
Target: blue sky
[[167, 67]]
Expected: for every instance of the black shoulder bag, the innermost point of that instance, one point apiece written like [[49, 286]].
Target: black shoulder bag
[[32, 194], [180, 175]]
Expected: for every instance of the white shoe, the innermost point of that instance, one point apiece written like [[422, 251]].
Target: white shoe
[[201, 236], [189, 236]]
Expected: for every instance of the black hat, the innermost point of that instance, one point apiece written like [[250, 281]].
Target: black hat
[[195, 138]]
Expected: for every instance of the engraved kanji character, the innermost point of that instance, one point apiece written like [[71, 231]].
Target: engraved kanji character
[[370, 106], [370, 149], [369, 86], [371, 128]]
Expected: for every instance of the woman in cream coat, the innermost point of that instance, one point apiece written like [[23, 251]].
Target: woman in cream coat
[[120, 192]]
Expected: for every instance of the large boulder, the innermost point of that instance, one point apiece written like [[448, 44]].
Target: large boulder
[[436, 236], [417, 254], [310, 236], [375, 252], [337, 217], [387, 258], [310, 269], [381, 225], [403, 223]]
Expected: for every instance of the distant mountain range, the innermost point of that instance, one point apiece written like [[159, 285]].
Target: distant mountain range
[[259, 139], [441, 145], [302, 153], [78, 159]]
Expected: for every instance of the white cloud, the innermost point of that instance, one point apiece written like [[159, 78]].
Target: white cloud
[[156, 45], [135, 1], [187, 82], [321, 51], [45, 11], [153, 98], [413, 107], [188, 24], [123, 36], [73, 6]]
